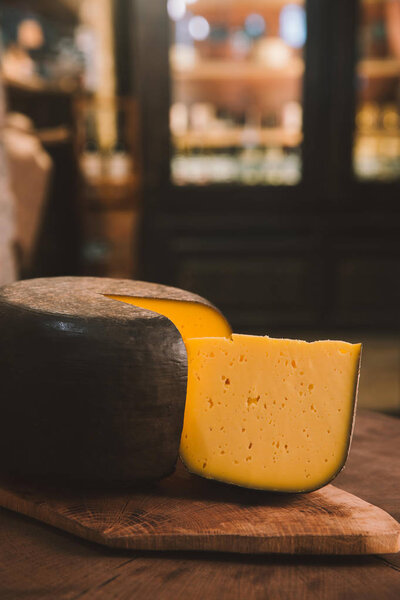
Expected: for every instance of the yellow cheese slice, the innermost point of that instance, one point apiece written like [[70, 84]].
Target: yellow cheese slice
[[268, 413], [192, 319], [260, 412]]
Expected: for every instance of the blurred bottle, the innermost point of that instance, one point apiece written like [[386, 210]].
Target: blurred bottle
[[367, 118], [179, 118], [390, 118], [292, 117]]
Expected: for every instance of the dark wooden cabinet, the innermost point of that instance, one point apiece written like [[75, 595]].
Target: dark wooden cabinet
[[321, 254]]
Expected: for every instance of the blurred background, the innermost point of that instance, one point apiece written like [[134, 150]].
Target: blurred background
[[247, 150]]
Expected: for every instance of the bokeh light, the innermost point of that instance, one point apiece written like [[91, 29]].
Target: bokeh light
[[254, 25], [176, 9], [240, 43], [30, 34], [274, 53], [199, 28], [293, 25]]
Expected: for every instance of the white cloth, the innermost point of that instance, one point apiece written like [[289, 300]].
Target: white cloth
[[29, 168], [8, 269]]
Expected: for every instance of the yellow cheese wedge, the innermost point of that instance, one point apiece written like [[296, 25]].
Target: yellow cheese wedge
[[268, 413], [192, 319]]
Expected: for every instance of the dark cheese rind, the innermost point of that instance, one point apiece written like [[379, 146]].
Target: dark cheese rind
[[92, 390], [85, 296]]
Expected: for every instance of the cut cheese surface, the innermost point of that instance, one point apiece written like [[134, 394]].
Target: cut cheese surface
[[268, 413], [192, 319]]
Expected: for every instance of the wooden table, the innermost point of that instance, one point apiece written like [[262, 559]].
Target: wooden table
[[39, 562]]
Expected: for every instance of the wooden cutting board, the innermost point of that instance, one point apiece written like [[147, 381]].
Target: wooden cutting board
[[185, 512]]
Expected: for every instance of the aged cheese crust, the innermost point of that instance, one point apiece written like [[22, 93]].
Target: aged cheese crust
[[93, 390]]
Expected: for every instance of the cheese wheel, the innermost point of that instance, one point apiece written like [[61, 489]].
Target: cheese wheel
[[268, 413], [92, 390]]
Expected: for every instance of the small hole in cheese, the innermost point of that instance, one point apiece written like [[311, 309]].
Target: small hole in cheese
[[252, 401]]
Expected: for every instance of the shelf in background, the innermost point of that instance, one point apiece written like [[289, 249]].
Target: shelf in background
[[53, 136], [378, 134], [38, 86], [230, 70], [238, 137], [374, 1], [108, 192], [379, 67], [207, 7]]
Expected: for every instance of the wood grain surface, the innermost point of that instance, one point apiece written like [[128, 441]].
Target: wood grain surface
[[186, 512], [41, 562]]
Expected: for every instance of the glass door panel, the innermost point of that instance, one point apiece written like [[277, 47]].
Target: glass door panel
[[376, 150], [236, 91]]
